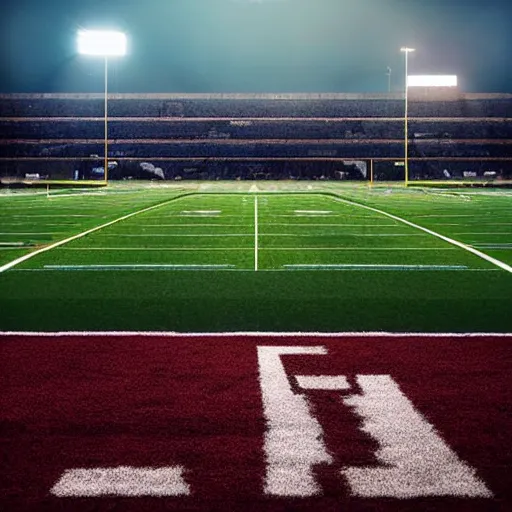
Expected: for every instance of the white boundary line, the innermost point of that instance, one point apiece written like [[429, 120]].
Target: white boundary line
[[26, 257], [174, 334], [136, 266], [468, 248], [255, 233], [363, 266]]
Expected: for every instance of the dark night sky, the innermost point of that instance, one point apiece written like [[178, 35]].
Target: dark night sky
[[256, 45]]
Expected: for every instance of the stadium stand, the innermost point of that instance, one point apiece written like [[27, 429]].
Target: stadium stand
[[258, 136]]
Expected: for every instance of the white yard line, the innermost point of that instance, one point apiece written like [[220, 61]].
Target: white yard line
[[177, 216], [50, 215], [78, 194], [26, 257], [467, 248], [328, 266], [60, 224], [142, 249], [320, 235], [291, 335], [186, 225], [443, 215], [493, 246], [139, 267], [314, 212], [30, 233], [322, 224], [193, 248], [119, 235], [358, 248], [202, 212], [255, 233]]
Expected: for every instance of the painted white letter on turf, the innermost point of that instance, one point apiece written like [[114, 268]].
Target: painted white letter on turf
[[122, 481], [293, 440], [416, 461]]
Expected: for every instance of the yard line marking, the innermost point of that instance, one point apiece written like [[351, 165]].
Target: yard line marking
[[493, 246], [489, 233], [373, 267], [203, 215], [321, 224], [186, 225], [47, 233], [255, 233], [468, 248], [329, 215], [78, 194], [474, 224], [26, 257], [61, 224], [137, 266], [51, 215], [241, 270], [361, 249], [261, 334], [443, 215], [200, 212], [319, 235], [314, 212], [174, 235], [142, 249], [12, 244]]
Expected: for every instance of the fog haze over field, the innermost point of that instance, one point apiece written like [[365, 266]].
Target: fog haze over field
[[256, 45]]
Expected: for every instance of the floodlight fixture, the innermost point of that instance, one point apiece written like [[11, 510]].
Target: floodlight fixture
[[406, 49], [432, 81], [104, 43]]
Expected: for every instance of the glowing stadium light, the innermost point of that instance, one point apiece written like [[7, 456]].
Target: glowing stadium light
[[432, 81], [104, 43]]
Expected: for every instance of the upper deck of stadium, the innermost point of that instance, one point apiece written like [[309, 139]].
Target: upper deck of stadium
[[423, 103], [448, 129]]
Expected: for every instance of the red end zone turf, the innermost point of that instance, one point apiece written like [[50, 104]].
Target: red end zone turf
[[234, 422]]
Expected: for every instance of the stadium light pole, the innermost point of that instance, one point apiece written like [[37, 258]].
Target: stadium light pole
[[406, 51], [103, 43]]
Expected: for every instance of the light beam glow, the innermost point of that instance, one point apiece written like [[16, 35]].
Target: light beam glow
[[432, 81], [101, 42]]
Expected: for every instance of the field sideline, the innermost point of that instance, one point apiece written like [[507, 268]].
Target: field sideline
[[256, 256]]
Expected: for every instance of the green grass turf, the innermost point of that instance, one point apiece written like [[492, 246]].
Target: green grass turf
[[389, 276]]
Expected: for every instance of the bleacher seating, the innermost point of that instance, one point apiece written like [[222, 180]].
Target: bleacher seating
[[206, 128]]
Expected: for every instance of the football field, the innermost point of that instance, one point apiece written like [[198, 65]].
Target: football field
[[272, 257], [269, 346]]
